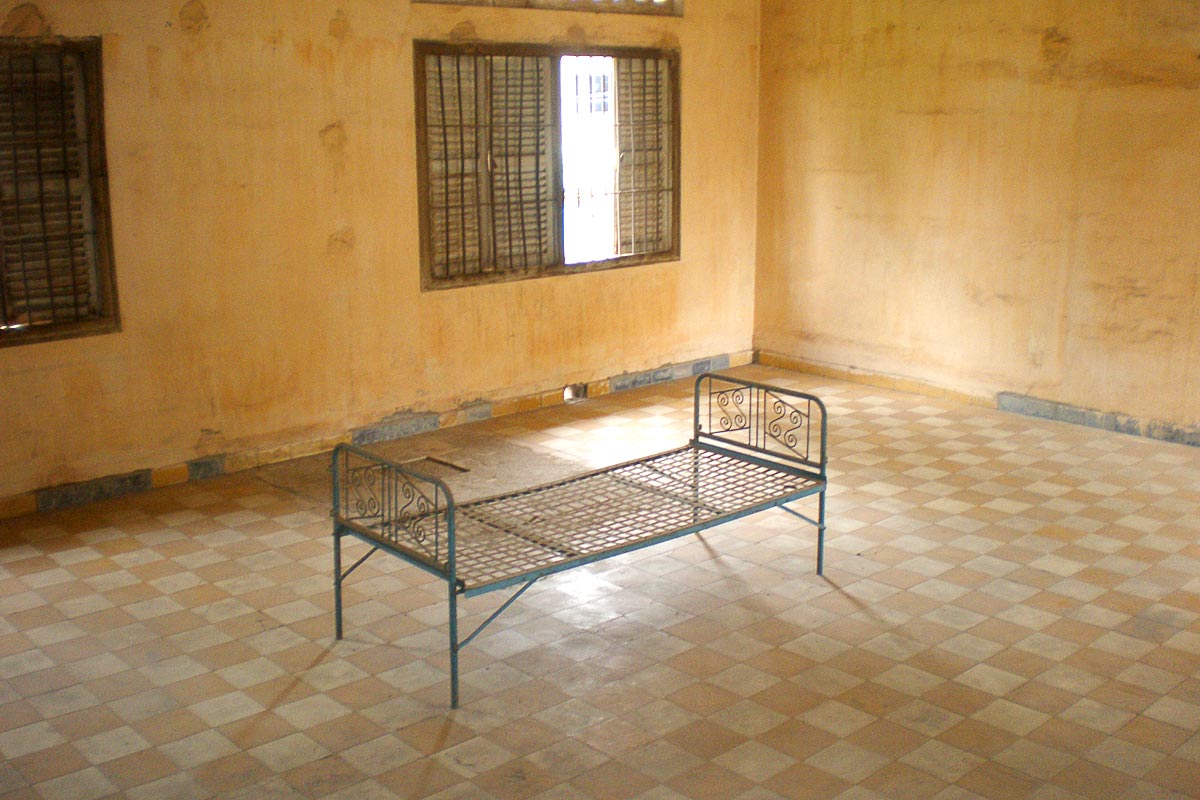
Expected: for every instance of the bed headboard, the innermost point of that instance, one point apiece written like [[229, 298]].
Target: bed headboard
[[759, 420]]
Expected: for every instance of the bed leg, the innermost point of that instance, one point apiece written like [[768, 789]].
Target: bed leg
[[453, 645], [821, 534], [337, 582]]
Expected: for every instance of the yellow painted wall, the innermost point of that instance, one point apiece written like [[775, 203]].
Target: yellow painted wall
[[974, 195], [986, 196], [264, 204]]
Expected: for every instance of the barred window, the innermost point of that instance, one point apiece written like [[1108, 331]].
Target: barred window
[[536, 161], [55, 252], [672, 8]]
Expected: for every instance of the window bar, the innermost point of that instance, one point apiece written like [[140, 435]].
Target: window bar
[[489, 166], [437, 59], [66, 178], [498, 113], [521, 223], [514, 218], [639, 95], [548, 92], [16, 180], [658, 151], [618, 118], [448, 171], [485, 219], [653, 122], [4, 312], [619, 72], [493, 125], [462, 158], [626, 123], [638, 101], [481, 168], [552, 208], [6, 320], [651, 139], [41, 179], [657, 190], [501, 114]]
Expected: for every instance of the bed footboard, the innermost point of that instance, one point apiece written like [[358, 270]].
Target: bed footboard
[[390, 507], [393, 506], [760, 421], [766, 424]]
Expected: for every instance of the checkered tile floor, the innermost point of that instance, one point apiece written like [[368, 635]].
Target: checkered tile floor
[[1010, 610]]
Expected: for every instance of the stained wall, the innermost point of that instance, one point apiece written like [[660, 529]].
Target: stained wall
[[973, 195], [986, 196], [264, 202]]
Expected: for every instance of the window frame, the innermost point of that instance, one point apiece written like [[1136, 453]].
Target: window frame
[[664, 8], [423, 48], [105, 317]]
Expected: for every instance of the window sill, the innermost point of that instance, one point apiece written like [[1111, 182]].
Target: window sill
[[461, 281], [36, 334], [659, 8]]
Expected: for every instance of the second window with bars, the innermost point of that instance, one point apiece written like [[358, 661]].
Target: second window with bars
[[55, 254]]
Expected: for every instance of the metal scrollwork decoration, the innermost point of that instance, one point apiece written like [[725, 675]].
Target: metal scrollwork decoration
[[786, 424], [778, 423], [731, 406], [414, 511], [394, 504], [364, 492]]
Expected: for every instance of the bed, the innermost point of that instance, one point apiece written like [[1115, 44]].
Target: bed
[[754, 447]]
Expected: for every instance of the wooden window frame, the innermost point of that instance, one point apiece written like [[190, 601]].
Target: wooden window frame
[[100, 314], [669, 8], [671, 145]]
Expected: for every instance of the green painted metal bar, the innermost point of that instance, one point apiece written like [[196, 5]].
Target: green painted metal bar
[[339, 576], [498, 612], [452, 590]]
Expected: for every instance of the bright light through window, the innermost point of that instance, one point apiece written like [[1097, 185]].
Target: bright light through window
[[589, 158]]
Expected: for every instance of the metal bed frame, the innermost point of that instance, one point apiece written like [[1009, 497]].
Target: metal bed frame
[[754, 447]]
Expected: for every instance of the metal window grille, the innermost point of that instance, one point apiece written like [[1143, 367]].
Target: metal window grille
[[672, 8], [645, 179], [522, 162], [599, 94], [488, 138], [489, 133], [48, 240]]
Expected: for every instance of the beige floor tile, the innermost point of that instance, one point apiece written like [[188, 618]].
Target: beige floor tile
[[137, 769]]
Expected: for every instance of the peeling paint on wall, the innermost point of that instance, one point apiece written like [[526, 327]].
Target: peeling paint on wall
[[339, 26], [1182, 16], [575, 35], [464, 32], [193, 17], [1056, 47], [1128, 64], [333, 138], [341, 242], [1135, 69], [1133, 311], [25, 20]]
